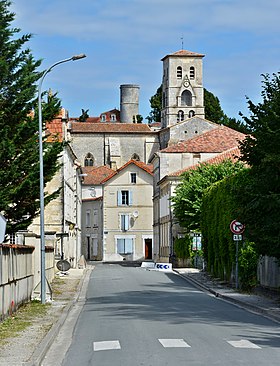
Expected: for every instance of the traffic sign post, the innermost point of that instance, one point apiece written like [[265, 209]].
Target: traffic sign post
[[237, 228]]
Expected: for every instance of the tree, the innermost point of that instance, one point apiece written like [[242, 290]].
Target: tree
[[156, 105], [188, 195], [260, 150], [84, 116], [213, 111], [19, 154]]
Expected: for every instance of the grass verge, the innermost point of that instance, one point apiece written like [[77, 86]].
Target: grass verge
[[12, 326]]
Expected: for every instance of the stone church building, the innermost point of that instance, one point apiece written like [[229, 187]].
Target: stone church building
[[124, 163]]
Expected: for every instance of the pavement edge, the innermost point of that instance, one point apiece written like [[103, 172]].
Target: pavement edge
[[40, 352], [237, 302]]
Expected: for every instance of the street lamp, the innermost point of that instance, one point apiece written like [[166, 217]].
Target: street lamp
[[42, 229]]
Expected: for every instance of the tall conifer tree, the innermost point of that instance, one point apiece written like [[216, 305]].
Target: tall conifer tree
[[19, 152], [261, 150]]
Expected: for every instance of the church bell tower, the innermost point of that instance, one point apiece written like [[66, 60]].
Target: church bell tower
[[182, 87]]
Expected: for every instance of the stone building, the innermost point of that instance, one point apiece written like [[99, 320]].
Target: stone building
[[116, 144]]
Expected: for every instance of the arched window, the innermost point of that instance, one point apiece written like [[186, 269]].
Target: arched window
[[89, 160], [191, 114], [186, 98], [180, 116], [179, 72], [192, 72]]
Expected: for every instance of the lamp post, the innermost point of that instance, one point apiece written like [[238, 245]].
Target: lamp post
[[42, 229]]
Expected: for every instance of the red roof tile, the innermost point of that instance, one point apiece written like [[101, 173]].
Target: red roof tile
[[54, 130], [85, 127], [214, 141], [183, 53], [108, 114], [147, 167], [95, 175]]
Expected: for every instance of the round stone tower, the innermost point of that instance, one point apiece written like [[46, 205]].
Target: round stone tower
[[129, 104]]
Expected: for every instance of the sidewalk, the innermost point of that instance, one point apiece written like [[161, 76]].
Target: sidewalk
[[269, 306], [30, 346]]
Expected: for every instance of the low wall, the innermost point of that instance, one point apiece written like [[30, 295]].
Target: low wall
[[16, 276], [269, 272], [20, 271]]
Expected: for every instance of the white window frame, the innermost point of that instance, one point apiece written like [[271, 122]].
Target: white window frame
[[124, 197], [124, 221], [133, 178], [123, 237]]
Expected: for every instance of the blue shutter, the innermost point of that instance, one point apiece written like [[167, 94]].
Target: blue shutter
[[119, 198], [130, 198], [126, 222], [128, 246], [120, 246]]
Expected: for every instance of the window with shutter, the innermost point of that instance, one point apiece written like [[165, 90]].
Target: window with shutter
[[124, 222]]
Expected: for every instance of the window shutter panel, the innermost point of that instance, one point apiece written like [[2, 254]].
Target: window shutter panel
[[126, 225], [130, 198], [119, 198]]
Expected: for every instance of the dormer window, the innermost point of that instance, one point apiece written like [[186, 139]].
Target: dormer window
[[113, 118], [103, 117], [192, 73], [179, 72]]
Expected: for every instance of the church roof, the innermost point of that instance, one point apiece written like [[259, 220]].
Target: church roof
[[183, 53], [216, 140], [85, 127]]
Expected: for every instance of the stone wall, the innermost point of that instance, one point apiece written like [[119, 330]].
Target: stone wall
[[16, 277], [269, 272]]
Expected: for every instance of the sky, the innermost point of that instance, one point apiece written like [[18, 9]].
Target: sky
[[125, 40]]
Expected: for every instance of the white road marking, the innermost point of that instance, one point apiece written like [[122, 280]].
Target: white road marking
[[174, 343], [106, 345], [243, 343]]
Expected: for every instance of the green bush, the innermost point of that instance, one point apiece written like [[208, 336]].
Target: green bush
[[182, 247], [248, 262]]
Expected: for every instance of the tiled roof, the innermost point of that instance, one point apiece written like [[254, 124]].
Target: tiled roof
[[147, 167], [183, 53], [95, 175], [231, 154], [54, 130], [89, 119], [85, 127], [214, 141], [108, 114]]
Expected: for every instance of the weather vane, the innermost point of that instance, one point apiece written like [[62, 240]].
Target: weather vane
[[182, 40]]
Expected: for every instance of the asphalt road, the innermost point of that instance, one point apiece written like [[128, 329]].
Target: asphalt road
[[134, 317]]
